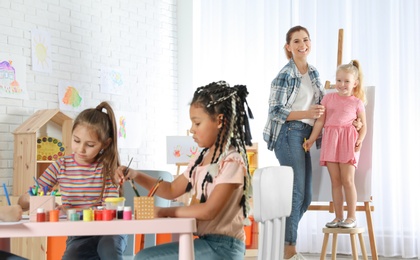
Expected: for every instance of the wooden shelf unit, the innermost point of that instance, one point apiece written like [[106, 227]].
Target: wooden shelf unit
[[252, 153], [26, 167]]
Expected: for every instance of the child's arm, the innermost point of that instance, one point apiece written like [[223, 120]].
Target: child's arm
[[362, 131], [166, 190], [10, 213], [316, 131], [203, 211]]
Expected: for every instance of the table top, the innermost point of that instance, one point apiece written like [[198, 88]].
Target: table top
[[25, 228]]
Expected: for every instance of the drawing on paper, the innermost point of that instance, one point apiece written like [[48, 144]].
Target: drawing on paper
[[41, 51], [129, 129], [181, 149], [122, 131], [177, 151], [13, 77], [112, 81], [70, 96]]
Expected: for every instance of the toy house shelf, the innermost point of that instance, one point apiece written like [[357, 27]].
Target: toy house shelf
[[25, 163], [26, 166]]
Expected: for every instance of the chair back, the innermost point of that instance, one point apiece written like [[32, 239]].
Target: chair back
[[149, 239], [272, 196]]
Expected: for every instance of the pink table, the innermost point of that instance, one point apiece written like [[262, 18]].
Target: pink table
[[182, 226]]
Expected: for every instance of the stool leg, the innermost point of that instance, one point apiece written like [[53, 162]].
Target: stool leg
[[324, 246], [334, 247], [353, 246], [362, 246]]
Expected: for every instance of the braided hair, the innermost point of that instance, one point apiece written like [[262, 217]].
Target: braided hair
[[219, 98]]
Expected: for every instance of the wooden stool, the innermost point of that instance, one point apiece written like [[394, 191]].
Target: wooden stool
[[335, 232]]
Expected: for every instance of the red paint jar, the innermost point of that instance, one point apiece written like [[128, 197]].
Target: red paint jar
[[114, 213], [107, 214], [98, 215], [40, 215]]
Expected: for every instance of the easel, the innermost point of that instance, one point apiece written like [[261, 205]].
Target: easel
[[178, 165], [366, 207]]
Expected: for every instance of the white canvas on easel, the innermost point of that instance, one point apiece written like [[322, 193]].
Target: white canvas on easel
[[180, 149]]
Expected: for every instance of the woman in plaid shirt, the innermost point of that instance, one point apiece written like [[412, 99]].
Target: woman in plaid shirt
[[294, 105]]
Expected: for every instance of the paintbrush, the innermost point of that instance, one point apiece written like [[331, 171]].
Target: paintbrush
[[131, 180]]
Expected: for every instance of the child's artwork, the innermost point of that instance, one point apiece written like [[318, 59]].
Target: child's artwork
[[181, 149], [112, 81], [129, 129], [13, 76], [70, 96], [41, 51]]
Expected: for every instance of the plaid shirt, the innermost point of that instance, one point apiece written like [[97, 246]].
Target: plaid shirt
[[284, 90]]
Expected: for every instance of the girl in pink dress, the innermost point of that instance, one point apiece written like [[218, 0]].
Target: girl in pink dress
[[341, 142]]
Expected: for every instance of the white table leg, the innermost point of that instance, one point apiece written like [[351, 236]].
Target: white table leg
[[186, 246]]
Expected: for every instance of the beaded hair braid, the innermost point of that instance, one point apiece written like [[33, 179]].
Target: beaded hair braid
[[219, 98]]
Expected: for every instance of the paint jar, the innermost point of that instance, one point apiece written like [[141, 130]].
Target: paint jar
[[98, 214], [107, 214], [54, 215], [87, 215], [69, 213], [40, 215], [120, 210], [113, 203], [74, 217], [127, 213]]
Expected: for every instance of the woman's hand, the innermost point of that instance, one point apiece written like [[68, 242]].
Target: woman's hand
[[316, 111], [358, 123]]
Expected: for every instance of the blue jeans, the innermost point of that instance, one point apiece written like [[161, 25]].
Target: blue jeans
[[289, 152], [208, 247], [95, 247]]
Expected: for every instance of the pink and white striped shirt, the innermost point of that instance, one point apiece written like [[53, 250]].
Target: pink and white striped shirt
[[80, 185]]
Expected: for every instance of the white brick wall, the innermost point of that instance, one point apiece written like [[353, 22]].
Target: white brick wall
[[137, 36]]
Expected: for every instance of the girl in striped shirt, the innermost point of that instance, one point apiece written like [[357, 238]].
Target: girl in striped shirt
[[86, 178]]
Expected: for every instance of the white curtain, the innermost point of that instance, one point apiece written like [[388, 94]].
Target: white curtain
[[241, 41]]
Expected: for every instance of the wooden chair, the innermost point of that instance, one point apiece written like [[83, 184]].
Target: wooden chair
[[272, 195], [352, 232]]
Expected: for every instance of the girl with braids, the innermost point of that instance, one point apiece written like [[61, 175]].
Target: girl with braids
[[218, 180], [341, 143], [86, 178]]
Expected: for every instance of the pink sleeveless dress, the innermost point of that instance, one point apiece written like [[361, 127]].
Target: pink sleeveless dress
[[339, 137]]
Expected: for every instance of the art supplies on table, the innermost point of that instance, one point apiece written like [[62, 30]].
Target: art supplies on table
[[6, 194]]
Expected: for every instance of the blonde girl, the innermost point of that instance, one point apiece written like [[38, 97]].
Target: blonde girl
[[341, 142]]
